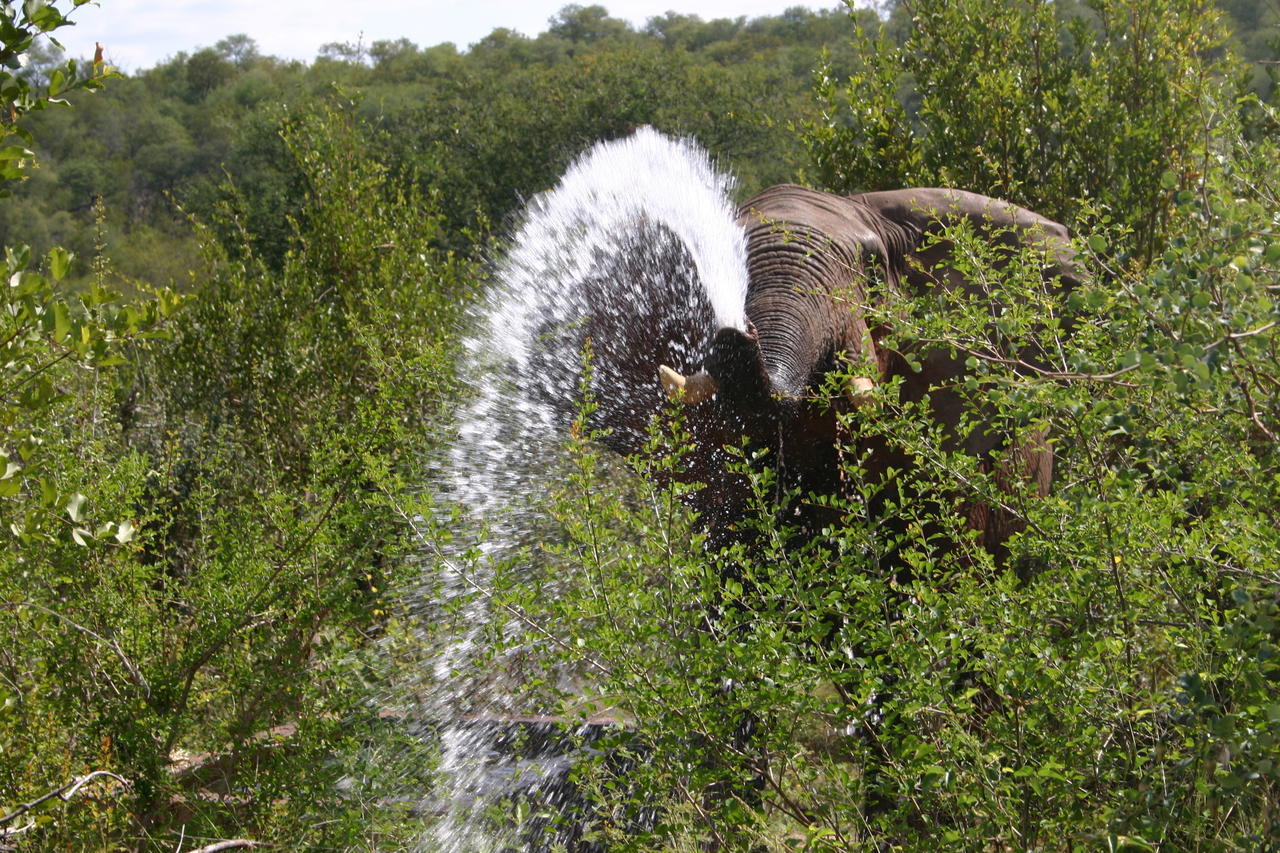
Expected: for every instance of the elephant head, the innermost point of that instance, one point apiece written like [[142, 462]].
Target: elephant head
[[815, 261]]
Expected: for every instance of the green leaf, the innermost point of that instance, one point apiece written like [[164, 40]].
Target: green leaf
[[1050, 771], [1097, 243], [47, 18], [124, 531], [61, 321], [59, 263], [15, 152], [38, 392], [75, 507], [17, 257], [81, 536]]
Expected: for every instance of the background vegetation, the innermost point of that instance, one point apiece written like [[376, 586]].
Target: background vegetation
[[234, 292]]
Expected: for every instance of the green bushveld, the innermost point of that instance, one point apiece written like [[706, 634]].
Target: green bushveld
[[204, 495], [201, 498], [484, 128], [1116, 686]]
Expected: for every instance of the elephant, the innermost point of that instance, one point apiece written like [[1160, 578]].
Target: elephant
[[814, 259]]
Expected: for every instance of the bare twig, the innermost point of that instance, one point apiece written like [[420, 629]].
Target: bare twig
[[6, 833], [231, 844], [1042, 372], [64, 792], [514, 611]]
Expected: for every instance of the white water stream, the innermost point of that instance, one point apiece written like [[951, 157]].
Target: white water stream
[[637, 248]]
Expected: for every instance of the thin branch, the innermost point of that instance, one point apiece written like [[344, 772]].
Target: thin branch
[[14, 386], [135, 674], [64, 792], [232, 844], [1033, 368], [514, 611]]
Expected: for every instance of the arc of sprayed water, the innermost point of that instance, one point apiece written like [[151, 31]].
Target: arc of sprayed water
[[515, 424], [645, 176]]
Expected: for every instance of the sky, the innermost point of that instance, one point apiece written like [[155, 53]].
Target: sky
[[137, 34]]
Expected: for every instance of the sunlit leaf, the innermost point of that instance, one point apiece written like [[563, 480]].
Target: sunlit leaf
[[61, 321], [75, 507], [59, 263]]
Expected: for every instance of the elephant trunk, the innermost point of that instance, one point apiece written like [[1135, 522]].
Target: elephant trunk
[[737, 365], [807, 298]]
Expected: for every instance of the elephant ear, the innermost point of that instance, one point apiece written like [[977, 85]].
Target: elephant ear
[[911, 214]]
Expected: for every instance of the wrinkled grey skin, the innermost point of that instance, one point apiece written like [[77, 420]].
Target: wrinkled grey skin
[[811, 256], [812, 260], [815, 260]]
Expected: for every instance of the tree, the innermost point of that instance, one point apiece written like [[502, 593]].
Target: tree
[[240, 50], [586, 24], [207, 70], [1031, 105]]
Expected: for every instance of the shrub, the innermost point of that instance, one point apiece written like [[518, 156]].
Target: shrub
[[208, 544], [1117, 690]]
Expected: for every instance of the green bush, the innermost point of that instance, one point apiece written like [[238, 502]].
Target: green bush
[[1117, 691], [1048, 105], [1115, 688], [204, 501]]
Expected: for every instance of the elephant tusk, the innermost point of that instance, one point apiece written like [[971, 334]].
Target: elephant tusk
[[860, 389], [671, 381], [698, 387]]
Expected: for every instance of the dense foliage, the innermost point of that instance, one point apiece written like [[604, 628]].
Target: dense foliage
[[1079, 103], [234, 291], [201, 498], [1114, 687]]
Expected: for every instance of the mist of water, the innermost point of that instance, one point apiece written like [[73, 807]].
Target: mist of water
[[636, 251]]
